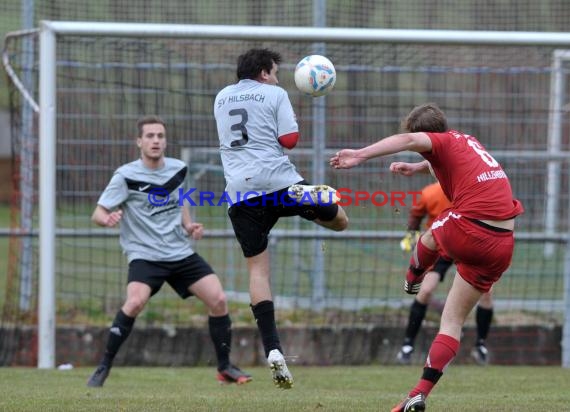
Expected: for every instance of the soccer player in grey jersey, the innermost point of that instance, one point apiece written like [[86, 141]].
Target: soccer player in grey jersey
[[154, 236], [255, 122]]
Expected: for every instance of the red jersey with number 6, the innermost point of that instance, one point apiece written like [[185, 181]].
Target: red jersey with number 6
[[471, 178]]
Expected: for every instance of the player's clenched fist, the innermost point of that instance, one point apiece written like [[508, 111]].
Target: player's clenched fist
[[113, 218], [196, 230]]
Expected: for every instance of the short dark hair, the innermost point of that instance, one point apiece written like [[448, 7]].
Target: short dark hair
[[152, 119], [427, 117], [254, 61]]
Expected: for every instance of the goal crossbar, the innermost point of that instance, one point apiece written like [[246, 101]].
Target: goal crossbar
[[320, 34]]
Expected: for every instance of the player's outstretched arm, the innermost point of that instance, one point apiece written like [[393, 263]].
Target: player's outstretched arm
[[409, 169], [346, 158], [104, 217], [415, 142]]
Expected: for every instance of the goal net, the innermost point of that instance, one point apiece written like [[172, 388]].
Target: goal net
[[109, 75]]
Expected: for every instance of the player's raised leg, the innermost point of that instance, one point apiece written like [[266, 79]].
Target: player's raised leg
[[423, 256], [313, 194]]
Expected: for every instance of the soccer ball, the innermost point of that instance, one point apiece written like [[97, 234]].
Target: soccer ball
[[315, 75]]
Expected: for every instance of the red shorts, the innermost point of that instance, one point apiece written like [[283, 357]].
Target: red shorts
[[481, 254]]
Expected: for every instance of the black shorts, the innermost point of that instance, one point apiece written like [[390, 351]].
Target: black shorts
[[180, 274], [441, 266], [252, 221]]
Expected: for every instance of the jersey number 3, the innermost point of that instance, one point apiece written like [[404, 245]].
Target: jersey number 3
[[239, 127]]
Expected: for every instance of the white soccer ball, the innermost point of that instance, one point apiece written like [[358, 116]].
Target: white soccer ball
[[315, 75]]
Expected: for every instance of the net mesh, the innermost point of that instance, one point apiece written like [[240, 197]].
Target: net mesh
[[548, 15]]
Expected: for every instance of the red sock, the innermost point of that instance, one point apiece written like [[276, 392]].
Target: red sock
[[442, 351], [422, 258]]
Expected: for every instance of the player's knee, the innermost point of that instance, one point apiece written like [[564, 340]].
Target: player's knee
[[428, 288], [339, 223], [218, 304], [134, 305], [425, 295], [486, 301]]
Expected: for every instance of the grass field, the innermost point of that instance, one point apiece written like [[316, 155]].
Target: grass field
[[370, 388]]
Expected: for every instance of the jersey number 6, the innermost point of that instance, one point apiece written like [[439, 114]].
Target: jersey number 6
[[485, 156]]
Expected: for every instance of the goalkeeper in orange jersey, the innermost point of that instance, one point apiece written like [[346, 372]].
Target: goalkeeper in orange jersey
[[431, 203]]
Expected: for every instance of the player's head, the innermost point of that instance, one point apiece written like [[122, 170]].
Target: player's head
[[151, 139], [425, 118], [259, 64], [143, 121]]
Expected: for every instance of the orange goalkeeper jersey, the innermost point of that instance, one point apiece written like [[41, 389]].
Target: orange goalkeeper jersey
[[431, 203]]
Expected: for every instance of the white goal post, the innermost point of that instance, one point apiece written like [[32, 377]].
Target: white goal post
[[49, 32]]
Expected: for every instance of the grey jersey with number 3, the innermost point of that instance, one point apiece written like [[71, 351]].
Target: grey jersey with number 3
[[250, 116], [151, 227]]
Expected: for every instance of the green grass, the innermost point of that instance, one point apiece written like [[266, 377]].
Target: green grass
[[366, 388]]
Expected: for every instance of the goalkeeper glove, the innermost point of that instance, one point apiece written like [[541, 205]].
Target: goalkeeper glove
[[409, 241]]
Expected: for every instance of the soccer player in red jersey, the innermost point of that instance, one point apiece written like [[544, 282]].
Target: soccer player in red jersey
[[431, 204], [476, 232]]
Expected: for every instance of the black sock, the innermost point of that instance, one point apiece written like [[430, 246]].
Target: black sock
[[264, 314], [221, 335], [417, 315], [118, 333], [431, 374], [483, 317]]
